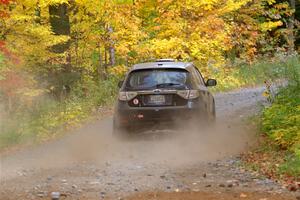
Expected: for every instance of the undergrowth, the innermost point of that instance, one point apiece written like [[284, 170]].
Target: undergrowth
[[281, 123], [47, 117], [279, 154]]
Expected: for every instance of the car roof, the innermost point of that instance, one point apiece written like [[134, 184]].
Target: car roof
[[161, 64]]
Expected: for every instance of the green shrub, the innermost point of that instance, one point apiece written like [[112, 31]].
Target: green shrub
[[245, 74], [281, 121], [292, 166]]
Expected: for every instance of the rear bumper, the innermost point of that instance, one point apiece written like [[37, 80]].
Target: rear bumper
[[165, 117]]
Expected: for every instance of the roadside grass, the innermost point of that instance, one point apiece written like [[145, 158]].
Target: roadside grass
[[281, 121], [241, 74], [47, 117], [278, 156], [291, 166]]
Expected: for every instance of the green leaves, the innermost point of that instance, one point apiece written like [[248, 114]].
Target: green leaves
[[281, 121]]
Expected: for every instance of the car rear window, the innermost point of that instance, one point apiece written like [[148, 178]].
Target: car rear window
[[157, 78]]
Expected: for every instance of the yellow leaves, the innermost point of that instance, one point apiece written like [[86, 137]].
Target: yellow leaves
[[268, 26], [29, 39], [196, 34], [124, 1], [202, 30], [41, 3], [119, 70], [266, 93], [270, 2], [232, 5], [45, 35], [162, 48], [226, 80], [281, 6], [45, 3]]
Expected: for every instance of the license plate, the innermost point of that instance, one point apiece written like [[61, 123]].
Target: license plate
[[157, 99]]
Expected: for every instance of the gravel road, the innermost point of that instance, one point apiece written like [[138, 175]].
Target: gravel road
[[91, 164]]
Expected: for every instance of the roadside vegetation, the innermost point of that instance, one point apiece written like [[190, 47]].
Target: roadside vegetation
[[278, 156], [47, 118], [281, 121], [243, 74]]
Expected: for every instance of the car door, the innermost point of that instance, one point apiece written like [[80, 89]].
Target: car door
[[207, 96]]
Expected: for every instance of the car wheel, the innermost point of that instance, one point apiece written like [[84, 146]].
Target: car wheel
[[212, 114], [118, 131]]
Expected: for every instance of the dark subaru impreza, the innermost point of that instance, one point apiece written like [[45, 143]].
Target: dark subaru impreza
[[163, 94]]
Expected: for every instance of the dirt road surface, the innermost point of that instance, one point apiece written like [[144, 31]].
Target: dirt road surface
[[91, 164]]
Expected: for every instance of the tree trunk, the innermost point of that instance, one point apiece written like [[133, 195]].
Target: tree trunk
[[101, 68], [105, 57], [290, 35], [60, 24], [37, 13], [112, 54], [59, 19]]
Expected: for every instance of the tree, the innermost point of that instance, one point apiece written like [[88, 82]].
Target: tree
[[60, 24], [290, 34], [119, 33]]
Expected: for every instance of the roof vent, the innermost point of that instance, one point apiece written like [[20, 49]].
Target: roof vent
[[166, 60]]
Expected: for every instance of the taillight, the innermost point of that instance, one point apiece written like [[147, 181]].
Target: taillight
[[194, 94], [127, 96], [188, 94], [183, 93]]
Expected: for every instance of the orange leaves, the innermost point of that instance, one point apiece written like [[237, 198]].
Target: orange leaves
[[266, 162], [11, 83], [5, 1], [8, 54], [3, 12]]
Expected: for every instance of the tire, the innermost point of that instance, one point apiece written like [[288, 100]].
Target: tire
[[119, 132], [212, 115]]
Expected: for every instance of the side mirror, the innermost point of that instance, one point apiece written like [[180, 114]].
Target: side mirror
[[120, 83], [211, 82]]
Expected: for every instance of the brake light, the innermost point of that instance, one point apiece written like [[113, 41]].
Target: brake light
[[183, 93], [189, 94], [194, 94], [127, 96]]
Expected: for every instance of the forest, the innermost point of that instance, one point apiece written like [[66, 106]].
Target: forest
[[60, 60]]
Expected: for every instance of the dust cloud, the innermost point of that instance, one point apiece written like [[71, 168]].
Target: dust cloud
[[94, 143], [172, 147]]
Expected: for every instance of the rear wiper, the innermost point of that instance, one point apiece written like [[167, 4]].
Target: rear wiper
[[166, 84]]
